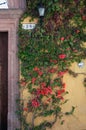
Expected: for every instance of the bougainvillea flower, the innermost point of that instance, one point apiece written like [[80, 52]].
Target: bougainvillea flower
[[75, 50], [33, 80], [53, 61], [44, 91], [25, 109], [68, 49], [61, 73], [63, 85], [49, 99], [83, 17], [60, 97], [36, 69], [49, 89], [43, 84], [62, 56], [62, 38], [52, 70], [40, 73], [35, 103], [59, 92], [77, 31], [38, 92], [23, 83]]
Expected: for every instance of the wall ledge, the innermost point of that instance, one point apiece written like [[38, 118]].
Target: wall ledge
[[11, 13]]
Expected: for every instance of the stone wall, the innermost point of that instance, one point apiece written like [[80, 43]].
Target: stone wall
[[16, 4], [9, 20]]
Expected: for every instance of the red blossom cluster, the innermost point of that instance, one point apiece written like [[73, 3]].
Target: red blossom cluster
[[43, 84], [62, 56], [36, 69], [25, 109], [35, 103], [84, 18], [23, 83], [44, 91], [61, 73], [33, 80], [59, 93], [53, 61], [40, 73], [62, 38], [52, 70], [75, 50], [63, 85], [77, 31]]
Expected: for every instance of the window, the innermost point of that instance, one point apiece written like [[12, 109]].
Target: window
[[3, 4]]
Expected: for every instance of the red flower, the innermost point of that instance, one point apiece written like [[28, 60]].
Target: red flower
[[36, 69], [59, 92], [62, 56], [53, 61], [52, 70], [77, 31], [25, 109], [62, 38], [38, 91], [49, 99], [75, 50], [33, 80], [83, 17], [64, 85], [61, 73], [68, 49], [35, 103], [60, 97], [40, 73], [49, 90], [23, 83], [43, 84], [44, 91]]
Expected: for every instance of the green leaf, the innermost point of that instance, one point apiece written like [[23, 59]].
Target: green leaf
[[62, 122], [71, 112], [48, 113]]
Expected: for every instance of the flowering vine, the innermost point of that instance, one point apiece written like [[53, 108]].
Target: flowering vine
[[46, 54]]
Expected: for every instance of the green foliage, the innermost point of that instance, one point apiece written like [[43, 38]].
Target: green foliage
[[71, 112], [49, 50]]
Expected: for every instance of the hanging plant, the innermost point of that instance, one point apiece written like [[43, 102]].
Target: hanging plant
[[46, 54]]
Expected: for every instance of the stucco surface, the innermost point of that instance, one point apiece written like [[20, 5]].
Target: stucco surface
[[77, 98]]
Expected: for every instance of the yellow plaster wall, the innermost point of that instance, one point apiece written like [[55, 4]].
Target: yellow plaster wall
[[29, 20], [76, 96]]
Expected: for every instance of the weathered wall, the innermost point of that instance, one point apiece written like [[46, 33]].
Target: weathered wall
[[16, 4], [9, 20]]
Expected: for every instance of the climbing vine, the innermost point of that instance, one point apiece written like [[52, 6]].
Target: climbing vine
[[46, 53]]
